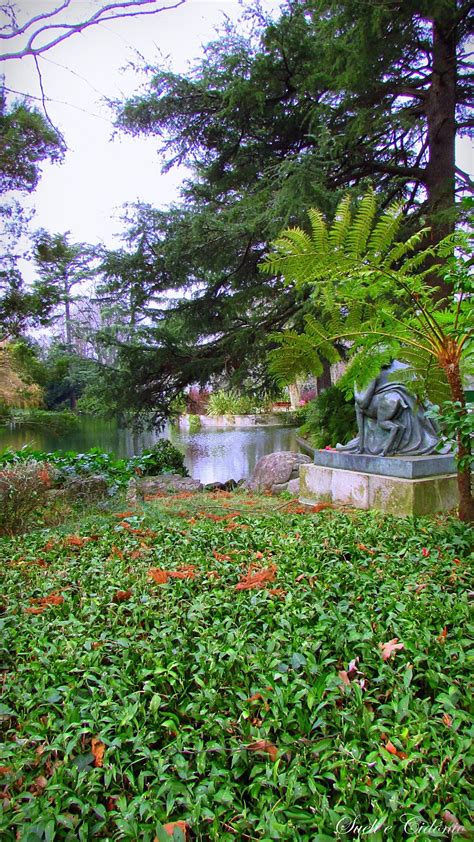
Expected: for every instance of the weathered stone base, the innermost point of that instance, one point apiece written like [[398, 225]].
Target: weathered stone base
[[394, 495]]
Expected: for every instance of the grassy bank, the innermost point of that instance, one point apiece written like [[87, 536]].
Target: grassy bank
[[254, 669]]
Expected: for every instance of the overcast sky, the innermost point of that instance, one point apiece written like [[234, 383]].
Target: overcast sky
[[99, 174]]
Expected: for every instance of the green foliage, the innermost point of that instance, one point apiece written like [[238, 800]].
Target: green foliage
[[230, 402], [194, 423], [180, 681], [330, 419], [57, 422], [26, 140], [162, 458], [453, 422], [375, 294]]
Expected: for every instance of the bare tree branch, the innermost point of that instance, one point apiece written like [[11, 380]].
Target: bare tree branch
[[112, 11], [43, 100]]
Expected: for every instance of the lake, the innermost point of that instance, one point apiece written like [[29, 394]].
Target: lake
[[211, 455]]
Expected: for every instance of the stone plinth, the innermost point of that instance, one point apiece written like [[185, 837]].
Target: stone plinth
[[419, 490]]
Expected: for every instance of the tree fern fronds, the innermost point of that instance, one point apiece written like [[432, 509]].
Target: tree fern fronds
[[342, 221], [399, 250], [319, 232], [412, 264], [316, 334], [364, 367], [294, 256], [384, 231], [295, 356], [359, 231]]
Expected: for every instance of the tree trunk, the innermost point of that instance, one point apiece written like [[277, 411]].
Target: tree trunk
[[324, 379], [441, 133], [466, 500]]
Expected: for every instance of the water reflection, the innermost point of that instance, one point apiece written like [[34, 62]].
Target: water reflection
[[211, 455], [219, 455]]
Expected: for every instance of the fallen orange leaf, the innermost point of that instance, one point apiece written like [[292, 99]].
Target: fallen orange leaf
[[390, 648], [187, 571], [98, 749], [43, 602], [256, 577], [447, 719], [443, 635], [123, 515], [265, 747], [74, 541], [158, 576], [393, 750], [170, 827], [277, 592], [121, 596]]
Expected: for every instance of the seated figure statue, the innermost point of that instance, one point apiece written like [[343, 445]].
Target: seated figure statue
[[391, 421]]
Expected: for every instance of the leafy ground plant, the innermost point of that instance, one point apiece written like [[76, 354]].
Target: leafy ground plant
[[225, 673]]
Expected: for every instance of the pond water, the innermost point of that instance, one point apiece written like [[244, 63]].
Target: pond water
[[211, 455]]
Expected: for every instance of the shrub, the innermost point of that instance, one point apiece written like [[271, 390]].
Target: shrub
[[231, 403], [194, 423], [23, 489], [162, 458], [329, 419], [197, 401]]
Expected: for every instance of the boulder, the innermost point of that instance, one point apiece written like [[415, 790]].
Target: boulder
[[274, 471], [86, 487], [164, 483]]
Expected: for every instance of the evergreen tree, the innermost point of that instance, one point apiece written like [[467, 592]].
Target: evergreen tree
[[329, 96]]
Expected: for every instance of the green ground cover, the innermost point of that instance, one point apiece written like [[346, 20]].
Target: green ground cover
[[302, 676]]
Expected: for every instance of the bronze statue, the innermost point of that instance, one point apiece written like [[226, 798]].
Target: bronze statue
[[391, 421]]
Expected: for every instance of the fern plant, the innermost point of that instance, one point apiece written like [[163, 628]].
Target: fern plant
[[376, 294]]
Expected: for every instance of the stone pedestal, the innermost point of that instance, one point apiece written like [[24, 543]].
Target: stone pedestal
[[397, 485]]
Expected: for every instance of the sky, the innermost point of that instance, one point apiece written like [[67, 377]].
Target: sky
[[100, 174]]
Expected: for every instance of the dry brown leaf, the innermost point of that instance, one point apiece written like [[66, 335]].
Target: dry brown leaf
[[389, 649], [443, 635], [170, 827], [454, 825], [187, 571], [277, 592], [256, 577], [98, 749], [264, 747], [393, 750], [74, 541], [121, 596], [158, 576]]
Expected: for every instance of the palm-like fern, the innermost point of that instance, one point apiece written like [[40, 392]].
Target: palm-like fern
[[376, 294]]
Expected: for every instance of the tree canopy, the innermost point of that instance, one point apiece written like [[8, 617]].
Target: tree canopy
[[327, 98]]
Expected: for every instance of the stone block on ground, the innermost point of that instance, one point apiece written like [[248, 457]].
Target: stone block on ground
[[276, 469], [86, 487], [142, 487], [393, 495]]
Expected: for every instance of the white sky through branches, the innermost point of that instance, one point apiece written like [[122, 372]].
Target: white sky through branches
[[99, 174]]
